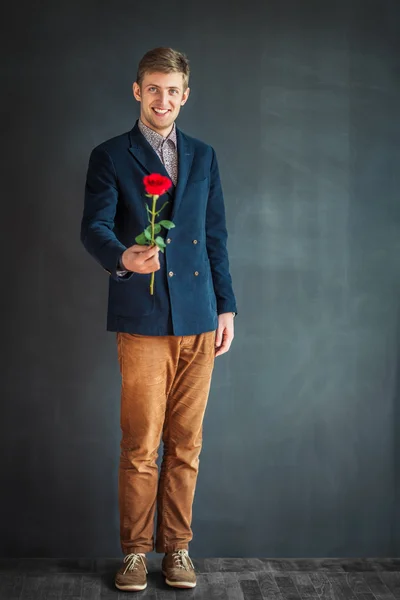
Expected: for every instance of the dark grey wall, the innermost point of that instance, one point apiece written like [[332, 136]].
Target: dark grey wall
[[301, 443]]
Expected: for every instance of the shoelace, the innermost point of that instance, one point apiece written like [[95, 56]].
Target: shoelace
[[182, 560], [132, 560]]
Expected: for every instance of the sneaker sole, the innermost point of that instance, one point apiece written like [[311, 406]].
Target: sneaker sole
[[179, 584], [131, 588]]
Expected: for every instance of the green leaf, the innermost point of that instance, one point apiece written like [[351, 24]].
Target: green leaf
[[141, 239], [157, 229], [147, 233], [160, 242], [167, 224]]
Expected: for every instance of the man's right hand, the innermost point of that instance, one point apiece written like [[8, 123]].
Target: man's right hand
[[141, 259]]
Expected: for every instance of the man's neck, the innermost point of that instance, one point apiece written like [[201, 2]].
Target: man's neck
[[163, 134]]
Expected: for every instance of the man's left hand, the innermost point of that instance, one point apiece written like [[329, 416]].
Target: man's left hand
[[224, 335]]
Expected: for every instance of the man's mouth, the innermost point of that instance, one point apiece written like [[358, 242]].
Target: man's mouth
[[160, 112]]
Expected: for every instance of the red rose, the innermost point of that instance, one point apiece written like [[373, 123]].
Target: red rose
[[156, 184]]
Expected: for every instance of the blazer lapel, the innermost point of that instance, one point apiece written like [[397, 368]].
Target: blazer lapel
[[150, 161], [185, 159], [146, 155]]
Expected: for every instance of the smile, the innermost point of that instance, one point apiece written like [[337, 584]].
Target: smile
[[160, 112]]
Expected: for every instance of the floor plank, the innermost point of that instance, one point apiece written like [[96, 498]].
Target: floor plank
[[268, 586], [71, 586], [286, 586], [232, 586], [209, 585], [32, 586], [341, 588], [148, 594], [377, 586], [304, 585], [251, 589], [392, 581], [91, 586], [216, 586], [11, 585], [52, 586], [322, 585], [107, 587], [166, 594]]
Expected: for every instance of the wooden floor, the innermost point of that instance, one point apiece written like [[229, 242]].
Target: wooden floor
[[219, 579]]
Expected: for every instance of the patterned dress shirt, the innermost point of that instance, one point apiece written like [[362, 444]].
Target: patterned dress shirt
[[166, 148]]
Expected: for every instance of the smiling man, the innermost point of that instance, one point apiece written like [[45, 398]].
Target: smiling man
[[166, 342]]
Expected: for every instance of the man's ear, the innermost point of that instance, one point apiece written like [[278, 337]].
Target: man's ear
[[185, 96], [136, 91]]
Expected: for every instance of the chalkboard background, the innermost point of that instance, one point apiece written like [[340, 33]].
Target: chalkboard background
[[301, 436]]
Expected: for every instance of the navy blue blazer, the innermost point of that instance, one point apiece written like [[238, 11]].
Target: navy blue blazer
[[193, 285]]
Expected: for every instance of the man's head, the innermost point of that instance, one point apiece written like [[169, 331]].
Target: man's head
[[162, 83]]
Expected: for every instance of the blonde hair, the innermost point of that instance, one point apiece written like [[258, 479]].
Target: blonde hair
[[164, 60]]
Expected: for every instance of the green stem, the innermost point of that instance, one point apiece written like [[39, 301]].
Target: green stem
[[165, 204], [153, 216]]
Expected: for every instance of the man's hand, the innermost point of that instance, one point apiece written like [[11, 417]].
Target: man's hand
[[141, 259], [224, 336]]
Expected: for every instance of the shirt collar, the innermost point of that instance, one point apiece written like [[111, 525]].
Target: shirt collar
[[154, 138]]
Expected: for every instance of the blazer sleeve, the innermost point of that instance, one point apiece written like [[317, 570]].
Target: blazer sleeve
[[216, 241], [100, 205]]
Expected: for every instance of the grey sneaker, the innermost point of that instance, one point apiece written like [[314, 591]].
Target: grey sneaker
[[132, 577]]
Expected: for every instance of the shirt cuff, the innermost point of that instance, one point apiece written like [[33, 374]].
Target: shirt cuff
[[121, 271]]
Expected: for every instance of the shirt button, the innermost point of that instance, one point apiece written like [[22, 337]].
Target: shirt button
[[168, 240], [196, 272], [170, 273], [194, 241]]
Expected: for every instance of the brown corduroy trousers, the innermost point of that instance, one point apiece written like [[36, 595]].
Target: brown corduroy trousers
[[165, 387]]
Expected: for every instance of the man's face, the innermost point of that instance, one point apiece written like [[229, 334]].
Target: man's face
[[162, 91]]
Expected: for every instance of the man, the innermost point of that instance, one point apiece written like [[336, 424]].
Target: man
[[167, 341]]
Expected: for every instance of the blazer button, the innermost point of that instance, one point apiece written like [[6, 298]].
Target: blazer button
[[194, 241], [168, 240], [196, 272], [170, 273]]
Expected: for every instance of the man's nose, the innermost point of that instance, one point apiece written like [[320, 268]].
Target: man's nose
[[164, 98]]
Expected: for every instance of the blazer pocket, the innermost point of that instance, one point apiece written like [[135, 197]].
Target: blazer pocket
[[197, 181]]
